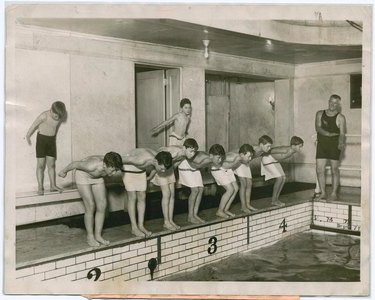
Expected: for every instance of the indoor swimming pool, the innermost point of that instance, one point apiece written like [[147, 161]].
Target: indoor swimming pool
[[306, 256]]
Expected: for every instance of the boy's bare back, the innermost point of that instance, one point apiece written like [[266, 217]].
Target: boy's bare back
[[174, 151], [282, 152], [93, 165], [232, 160], [200, 160], [140, 157]]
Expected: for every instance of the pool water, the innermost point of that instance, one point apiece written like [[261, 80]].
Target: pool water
[[307, 256]]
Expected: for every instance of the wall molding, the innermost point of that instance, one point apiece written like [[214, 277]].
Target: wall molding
[[32, 37]]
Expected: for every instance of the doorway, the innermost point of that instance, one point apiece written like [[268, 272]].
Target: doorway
[[157, 96], [238, 110]]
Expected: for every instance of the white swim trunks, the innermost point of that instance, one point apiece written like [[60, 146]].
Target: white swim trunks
[[189, 176], [85, 178], [164, 178], [271, 168], [176, 140], [243, 171], [135, 180], [223, 176]]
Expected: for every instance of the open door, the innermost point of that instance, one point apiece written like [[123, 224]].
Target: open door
[[150, 108], [172, 93], [157, 99]]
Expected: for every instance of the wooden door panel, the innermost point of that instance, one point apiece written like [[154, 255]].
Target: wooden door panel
[[217, 114], [150, 108]]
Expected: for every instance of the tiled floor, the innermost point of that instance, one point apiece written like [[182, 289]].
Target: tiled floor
[[35, 245]]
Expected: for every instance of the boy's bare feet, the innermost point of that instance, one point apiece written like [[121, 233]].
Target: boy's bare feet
[[145, 231], [175, 225], [323, 196], [222, 214], [169, 226], [193, 220], [201, 221], [252, 208], [278, 203], [56, 189], [138, 233], [92, 241], [245, 210], [333, 197], [229, 213], [101, 240], [40, 192]]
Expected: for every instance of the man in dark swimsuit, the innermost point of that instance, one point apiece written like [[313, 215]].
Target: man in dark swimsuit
[[330, 128]]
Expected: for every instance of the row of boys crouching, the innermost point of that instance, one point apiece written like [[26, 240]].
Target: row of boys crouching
[[90, 171]]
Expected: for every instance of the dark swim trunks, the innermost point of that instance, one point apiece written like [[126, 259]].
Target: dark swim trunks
[[327, 147], [45, 146]]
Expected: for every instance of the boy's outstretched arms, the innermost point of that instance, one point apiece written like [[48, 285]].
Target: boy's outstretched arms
[[200, 161], [163, 124], [79, 165], [282, 152], [140, 158], [151, 175]]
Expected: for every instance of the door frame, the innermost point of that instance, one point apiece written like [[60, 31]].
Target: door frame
[[156, 66]]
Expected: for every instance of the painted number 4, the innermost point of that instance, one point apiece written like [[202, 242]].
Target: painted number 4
[[283, 225]]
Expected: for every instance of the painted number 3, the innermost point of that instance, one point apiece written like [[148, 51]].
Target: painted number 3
[[212, 249]]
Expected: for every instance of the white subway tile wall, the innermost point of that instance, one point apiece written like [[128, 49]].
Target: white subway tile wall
[[187, 250]]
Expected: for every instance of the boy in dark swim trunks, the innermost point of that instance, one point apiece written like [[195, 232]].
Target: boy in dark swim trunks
[[48, 124]]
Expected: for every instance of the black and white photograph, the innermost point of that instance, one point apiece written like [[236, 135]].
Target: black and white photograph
[[187, 149]]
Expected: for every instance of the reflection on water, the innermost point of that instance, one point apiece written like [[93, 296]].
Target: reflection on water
[[308, 256]]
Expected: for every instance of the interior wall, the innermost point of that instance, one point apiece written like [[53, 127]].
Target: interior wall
[[251, 114], [41, 79], [218, 107], [192, 82], [99, 97], [311, 94], [284, 114], [102, 103], [247, 110]]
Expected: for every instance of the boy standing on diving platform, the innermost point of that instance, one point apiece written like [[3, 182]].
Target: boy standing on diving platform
[[180, 121], [47, 124]]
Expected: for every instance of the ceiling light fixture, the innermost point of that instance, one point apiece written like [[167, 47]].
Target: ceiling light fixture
[[206, 43]]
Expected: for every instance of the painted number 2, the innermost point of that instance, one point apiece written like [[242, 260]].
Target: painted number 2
[[212, 241], [94, 272], [283, 225]]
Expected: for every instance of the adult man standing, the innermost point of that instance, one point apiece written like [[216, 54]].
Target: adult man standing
[[330, 127]]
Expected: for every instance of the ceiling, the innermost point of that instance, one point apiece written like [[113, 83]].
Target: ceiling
[[188, 35]]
